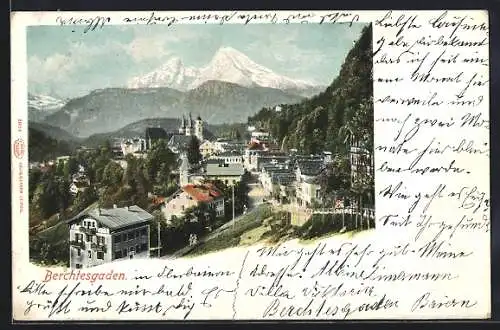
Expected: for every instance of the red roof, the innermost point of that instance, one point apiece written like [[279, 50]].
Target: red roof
[[255, 146], [202, 193]]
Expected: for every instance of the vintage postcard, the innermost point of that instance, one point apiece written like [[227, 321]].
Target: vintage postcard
[[277, 165]]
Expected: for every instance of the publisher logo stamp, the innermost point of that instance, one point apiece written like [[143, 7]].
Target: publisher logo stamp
[[19, 148]]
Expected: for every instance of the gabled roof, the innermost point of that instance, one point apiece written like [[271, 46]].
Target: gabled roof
[[179, 141], [115, 218]]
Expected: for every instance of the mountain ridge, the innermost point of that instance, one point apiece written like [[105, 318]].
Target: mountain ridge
[[109, 109]]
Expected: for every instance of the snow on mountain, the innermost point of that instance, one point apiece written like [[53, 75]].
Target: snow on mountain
[[228, 64], [40, 106], [172, 74], [45, 102]]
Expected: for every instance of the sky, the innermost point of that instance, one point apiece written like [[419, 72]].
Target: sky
[[66, 63]]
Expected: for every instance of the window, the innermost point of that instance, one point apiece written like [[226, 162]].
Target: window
[[124, 237], [100, 255], [124, 252], [130, 235], [118, 254], [78, 252], [137, 248], [78, 266], [118, 238], [89, 254], [88, 237]]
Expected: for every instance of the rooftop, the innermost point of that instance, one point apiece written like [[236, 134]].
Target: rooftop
[[115, 218], [202, 193], [221, 169], [310, 167], [229, 153], [179, 141]]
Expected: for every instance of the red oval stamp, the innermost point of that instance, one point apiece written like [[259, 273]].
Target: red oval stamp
[[19, 148]]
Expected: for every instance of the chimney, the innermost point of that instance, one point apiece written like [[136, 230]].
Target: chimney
[[114, 206], [127, 208]]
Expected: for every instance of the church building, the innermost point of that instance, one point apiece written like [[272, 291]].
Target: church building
[[191, 127]]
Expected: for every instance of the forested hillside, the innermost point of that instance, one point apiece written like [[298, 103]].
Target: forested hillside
[[328, 120], [43, 148]]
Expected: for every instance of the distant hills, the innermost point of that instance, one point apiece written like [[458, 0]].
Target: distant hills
[[138, 128]]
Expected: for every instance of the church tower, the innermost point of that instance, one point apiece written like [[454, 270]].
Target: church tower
[[189, 126], [182, 129], [198, 128], [184, 171]]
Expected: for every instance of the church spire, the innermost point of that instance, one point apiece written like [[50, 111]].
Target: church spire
[[182, 129]]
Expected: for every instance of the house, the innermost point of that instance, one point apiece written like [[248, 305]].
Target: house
[[154, 134], [362, 163], [79, 183], [259, 137], [99, 236], [209, 148], [85, 150], [307, 187], [271, 175], [77, 187], [62, 159], [132, 146], [327, 157], [192, 195], [227, 173], [252, 152]]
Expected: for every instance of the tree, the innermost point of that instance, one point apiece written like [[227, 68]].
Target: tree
[[85, 198], [160, 162], [70, 167], [112, 174], [194, 154]]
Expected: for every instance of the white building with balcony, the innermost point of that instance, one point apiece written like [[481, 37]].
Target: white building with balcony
[[99, 236]]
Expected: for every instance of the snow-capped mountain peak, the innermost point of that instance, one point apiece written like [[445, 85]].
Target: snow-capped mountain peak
[[45, 102], [227, 64], [171, 74]]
